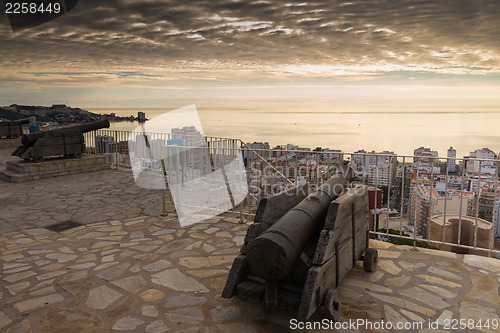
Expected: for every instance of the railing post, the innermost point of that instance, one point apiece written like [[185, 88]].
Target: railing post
[[494, 215], [389, 185], [443, 238], [115, 135], [477, 202], [415, 195], [402, 196], [164, 207], [461, 205]]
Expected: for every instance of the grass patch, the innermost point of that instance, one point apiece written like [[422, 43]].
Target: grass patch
[[403, 241]]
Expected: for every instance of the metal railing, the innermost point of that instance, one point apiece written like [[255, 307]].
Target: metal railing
[[191, 161], [423, 199], [434, 204]]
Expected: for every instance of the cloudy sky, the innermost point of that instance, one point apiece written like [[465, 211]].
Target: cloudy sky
[[332, 54]]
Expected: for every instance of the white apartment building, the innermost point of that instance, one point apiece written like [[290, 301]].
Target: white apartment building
[[485, 182], [331, 154], [256, 146], [380, 175], [424, 155], [485, 167], [425, 165], [358, 160], [452, 164], [191, 136], [454, 181], [381, 168], [423, 151]]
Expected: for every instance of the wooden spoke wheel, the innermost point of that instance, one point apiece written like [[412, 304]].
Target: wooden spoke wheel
[[331, 304]]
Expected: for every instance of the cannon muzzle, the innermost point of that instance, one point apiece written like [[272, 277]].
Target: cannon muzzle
[[29, 140], [272, 254]]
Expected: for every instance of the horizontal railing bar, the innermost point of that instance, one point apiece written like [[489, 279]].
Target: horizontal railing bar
[[433, 241]]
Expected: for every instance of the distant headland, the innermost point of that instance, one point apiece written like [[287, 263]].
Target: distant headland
[[61, 114]]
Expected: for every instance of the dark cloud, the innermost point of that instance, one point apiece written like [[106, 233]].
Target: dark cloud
[[264, 35]]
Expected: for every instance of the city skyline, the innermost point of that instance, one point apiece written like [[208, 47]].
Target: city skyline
[[342, 55]]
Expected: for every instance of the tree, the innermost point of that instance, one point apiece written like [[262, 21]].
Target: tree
[[385, 190]]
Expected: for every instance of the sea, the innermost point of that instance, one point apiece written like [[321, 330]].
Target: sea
[[401, 132]]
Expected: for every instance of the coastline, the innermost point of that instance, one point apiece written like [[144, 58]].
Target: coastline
[[372, 131], [401, 132]]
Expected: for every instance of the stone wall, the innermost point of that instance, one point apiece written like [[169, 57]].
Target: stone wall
[[453, 228]]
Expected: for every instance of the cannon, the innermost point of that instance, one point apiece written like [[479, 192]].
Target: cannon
[[12, 129], [66, 141], [301, 245]]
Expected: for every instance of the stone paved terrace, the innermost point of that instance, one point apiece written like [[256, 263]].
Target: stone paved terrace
[[83, 198], [131, 272]]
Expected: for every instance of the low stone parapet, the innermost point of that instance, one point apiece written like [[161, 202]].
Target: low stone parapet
[[10, 143], [22, 171]]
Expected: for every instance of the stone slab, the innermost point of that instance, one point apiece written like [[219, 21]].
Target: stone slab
[[175, 280], [4, 320], [37, 303], [102, 297]]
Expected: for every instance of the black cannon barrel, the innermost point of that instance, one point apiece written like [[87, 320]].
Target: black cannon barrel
[[29, 140], [272, 254], [14, 122]]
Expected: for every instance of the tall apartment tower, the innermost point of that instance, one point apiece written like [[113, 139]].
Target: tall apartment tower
[[452, 166]]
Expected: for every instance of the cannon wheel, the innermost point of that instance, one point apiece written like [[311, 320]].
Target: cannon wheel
[[38, 158], [370, 260], [77, 154], [331, 304]]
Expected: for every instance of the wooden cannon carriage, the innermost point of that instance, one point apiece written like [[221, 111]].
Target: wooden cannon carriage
[[68, 141], [278, 267], [12, 129]]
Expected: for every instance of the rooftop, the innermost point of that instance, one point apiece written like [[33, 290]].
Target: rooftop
[[454, 218], [127, 269], [424, 191]]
